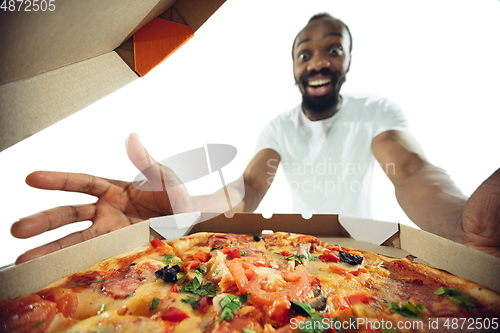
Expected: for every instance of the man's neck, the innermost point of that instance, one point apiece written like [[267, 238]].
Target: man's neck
[[313, 116]]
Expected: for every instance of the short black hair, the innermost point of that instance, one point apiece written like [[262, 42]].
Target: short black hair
[[322, 15]]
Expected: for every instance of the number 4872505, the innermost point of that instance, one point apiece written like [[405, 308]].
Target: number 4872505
[[471, 323], [28, 5]]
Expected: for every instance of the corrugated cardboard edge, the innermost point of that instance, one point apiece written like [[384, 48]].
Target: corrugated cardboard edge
[[196, 18], [33, 275], [248, 223], [57, 94], [458, 259]]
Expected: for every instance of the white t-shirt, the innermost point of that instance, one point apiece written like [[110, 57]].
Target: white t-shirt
[[329, 163]]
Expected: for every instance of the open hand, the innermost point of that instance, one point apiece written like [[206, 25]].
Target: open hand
[[118, 204]]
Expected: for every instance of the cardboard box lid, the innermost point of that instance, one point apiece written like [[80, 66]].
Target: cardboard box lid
[[54, 63]]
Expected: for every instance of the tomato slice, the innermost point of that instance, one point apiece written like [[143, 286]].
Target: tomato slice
[[157, 243], [261, 262], [174, 314], [190, 265], [174, 289], [202, 256], [204, 304], [232, 251], [278, 311], [340, 302], [359, 297], [269, 284], [65, 299], [329, 256], [27, 314]]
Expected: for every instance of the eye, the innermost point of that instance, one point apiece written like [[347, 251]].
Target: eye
[[336, 50], [303, 56]]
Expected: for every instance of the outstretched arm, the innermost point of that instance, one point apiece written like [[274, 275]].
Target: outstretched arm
[[431, 199], [120, 204], [248, 190]]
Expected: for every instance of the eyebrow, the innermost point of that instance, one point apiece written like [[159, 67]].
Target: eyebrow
[[327, 35]]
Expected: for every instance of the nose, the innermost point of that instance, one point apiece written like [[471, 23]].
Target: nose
[[317, 63]]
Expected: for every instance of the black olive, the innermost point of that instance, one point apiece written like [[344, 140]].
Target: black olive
[[168, 273], [350, 259], [257, 238], [133, 264]]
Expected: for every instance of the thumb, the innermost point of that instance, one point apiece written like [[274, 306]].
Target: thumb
[[139, 156]]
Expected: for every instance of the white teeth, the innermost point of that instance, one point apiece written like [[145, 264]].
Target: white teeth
[[319, 82]]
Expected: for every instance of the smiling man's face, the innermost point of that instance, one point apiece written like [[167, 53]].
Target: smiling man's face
[[321, 60]]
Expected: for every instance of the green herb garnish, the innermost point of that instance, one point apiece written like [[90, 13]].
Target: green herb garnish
[[296, 257], [181, 277], [38, 323], [191, 301], [195, 286], [314, 324], [230, 304], [102, 309], [154, 304], [168, 259], [310, 256], [407, 310], [457, 296], [249, 330], [131, 294]]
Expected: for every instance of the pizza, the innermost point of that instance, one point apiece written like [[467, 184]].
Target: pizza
[[283, 282]]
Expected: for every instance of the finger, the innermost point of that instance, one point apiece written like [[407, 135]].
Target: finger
[[71, 182], [51, 219], [137, 153], [139, 156], [59, 244]]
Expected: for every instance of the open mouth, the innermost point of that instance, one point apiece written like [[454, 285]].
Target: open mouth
[[319, 87], [319, 83]]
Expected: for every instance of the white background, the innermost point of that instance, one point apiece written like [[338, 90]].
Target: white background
[[437, 59]]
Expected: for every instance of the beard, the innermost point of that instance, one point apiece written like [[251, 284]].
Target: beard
[[321, 105]]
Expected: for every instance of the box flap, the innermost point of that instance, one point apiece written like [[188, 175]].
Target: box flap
[[33, 275], [461, 260], [174, 226], [43, 45], [57, 94], [366, 230]]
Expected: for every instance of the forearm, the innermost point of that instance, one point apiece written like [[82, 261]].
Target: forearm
[[237, 197], [432, 201]]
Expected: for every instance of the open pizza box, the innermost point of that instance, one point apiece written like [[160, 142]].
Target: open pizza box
[[387, 238], [66, 55]]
